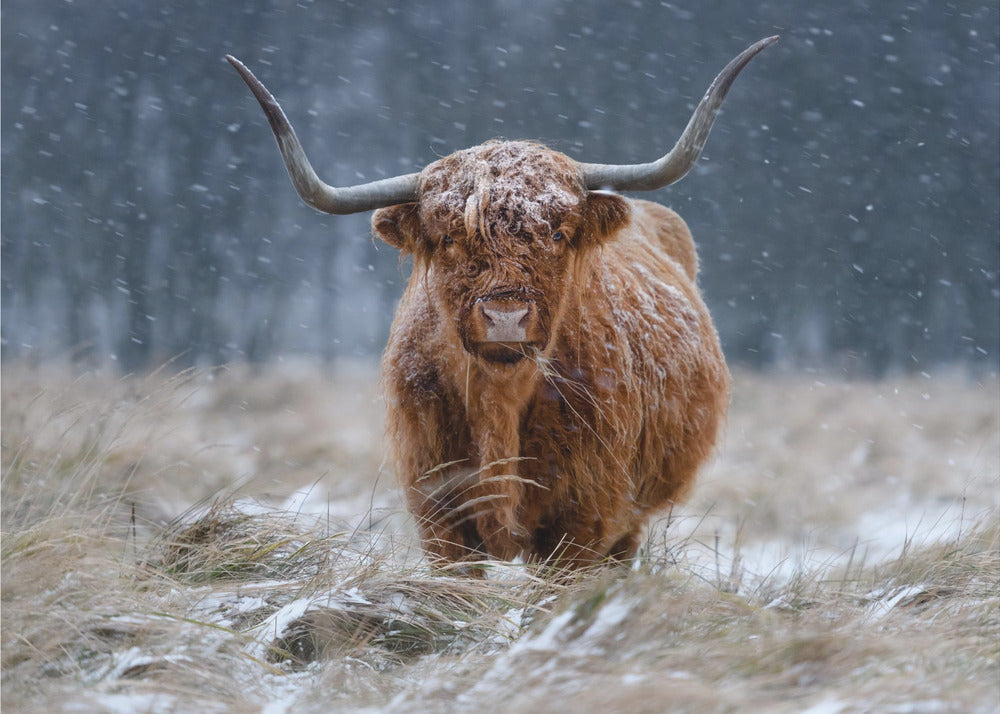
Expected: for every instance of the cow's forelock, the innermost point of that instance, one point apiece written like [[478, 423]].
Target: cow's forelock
[[500, 189]]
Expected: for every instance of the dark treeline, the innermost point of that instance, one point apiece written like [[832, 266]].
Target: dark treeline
[[846, 208]]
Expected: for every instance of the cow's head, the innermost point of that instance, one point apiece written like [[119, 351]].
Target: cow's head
[[499, 227], [500, 224]]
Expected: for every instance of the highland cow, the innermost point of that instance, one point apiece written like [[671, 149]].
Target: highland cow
[[553, 376]]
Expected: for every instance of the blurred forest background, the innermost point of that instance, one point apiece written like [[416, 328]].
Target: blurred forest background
[[846, 208]]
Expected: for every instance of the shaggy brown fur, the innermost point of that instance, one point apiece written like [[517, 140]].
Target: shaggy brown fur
[[563, 450]]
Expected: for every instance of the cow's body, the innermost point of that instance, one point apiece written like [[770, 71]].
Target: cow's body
[[567, 453], [553, 376]]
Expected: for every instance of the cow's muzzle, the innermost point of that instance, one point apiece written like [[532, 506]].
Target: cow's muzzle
[[504, 329]]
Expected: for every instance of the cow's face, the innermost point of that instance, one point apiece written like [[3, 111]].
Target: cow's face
[[499, 228]]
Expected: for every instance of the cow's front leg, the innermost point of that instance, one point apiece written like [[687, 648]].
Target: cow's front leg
[[446, 521], [497, 499], [496, 504]]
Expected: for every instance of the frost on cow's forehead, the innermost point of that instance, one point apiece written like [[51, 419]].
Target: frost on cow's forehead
[[509, 186]]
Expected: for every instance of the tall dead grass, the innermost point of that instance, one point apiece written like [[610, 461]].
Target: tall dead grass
[[228, 541]]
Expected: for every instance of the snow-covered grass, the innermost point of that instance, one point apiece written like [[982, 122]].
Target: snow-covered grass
[[231, 540]]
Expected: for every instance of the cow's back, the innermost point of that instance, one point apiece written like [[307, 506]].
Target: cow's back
[[662, 225]]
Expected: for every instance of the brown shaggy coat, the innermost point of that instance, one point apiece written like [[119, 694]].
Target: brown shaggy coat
[[565, 450]]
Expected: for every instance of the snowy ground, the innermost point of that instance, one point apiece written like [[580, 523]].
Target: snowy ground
[[233, 541]]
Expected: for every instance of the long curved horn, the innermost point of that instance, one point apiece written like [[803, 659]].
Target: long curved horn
[[322, 197], [673, 166]]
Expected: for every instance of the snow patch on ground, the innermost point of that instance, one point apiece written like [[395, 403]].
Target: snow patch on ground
[[713, 548]]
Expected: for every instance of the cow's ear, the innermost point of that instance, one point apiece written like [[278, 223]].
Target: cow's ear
[[603, 215], [398, 225]]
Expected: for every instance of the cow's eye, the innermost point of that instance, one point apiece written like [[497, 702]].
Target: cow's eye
[[558, 235], [447, 240]]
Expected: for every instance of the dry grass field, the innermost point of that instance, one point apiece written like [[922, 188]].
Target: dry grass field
[[233, 541]]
